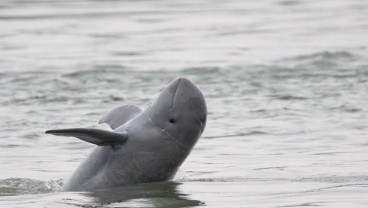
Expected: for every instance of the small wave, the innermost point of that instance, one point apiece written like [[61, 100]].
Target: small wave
[[325, 60], [326, 55], [236, 135], [201, 70], [288, 97], [68, 15], [97, 71], [326, 179], [346, 108], [21, 186]]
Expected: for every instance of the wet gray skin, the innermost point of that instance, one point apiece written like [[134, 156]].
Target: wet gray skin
[[146, 146]]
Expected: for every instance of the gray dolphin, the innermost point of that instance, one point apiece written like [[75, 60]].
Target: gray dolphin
[[144, 146]]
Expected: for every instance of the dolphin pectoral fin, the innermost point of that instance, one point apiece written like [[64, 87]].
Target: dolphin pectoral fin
[[120, 115], [94, 136]]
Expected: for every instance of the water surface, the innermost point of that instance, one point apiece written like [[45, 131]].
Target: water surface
[[285, 84]]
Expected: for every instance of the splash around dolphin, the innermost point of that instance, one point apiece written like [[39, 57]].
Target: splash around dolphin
[[144, 146]]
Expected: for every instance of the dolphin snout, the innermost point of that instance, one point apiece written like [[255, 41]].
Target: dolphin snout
[[185, 84], [187, 93]]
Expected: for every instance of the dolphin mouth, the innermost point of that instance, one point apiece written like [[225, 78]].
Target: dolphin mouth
[[172, 138]]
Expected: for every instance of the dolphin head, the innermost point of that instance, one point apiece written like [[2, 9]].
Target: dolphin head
[[180, 111]]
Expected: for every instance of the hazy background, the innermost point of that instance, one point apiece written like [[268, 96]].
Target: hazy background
[[285, 84]]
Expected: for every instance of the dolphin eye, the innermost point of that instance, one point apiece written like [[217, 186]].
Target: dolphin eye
[[172, 120], [203, 119]]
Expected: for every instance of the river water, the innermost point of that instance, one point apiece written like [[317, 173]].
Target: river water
[[286, 85]]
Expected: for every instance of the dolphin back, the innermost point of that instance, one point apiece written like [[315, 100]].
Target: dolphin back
[[120, 115]]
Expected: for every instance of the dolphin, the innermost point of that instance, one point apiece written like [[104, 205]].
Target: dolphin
[[143, 146]]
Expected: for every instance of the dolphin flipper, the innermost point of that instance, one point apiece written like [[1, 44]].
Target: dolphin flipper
[[94, 136], [120, 115]]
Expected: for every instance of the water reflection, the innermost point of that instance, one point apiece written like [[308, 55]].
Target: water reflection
[[161, 194]]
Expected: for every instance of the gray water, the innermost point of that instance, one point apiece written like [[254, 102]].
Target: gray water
[[286, 84]]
